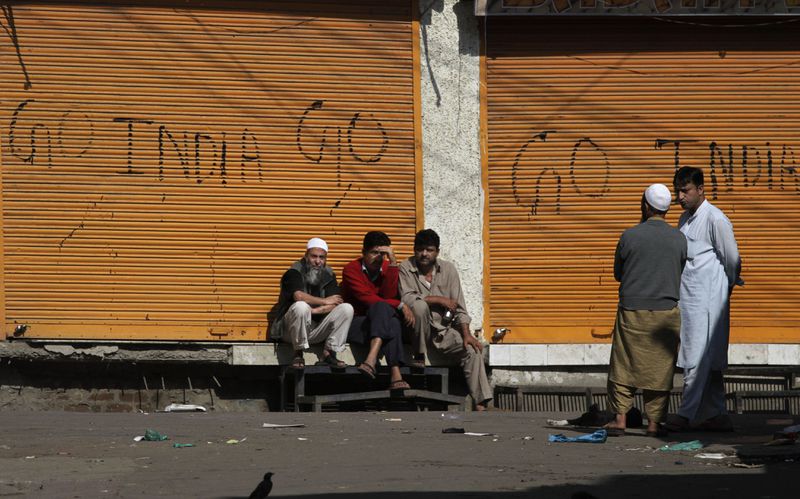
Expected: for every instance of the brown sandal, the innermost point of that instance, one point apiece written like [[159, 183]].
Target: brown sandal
[[399, 384], [298, 362], [367, 370], [331, 361]]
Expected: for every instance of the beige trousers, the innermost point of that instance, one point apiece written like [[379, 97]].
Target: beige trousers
[[299, 330], [620, 401], [449, 342]]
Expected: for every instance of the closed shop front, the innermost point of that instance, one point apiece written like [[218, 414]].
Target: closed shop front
[[584, 113], [162, 164]]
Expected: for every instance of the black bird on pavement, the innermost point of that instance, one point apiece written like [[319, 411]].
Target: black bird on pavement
[[263, 488]]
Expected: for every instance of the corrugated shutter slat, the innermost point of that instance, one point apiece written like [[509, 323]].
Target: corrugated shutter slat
[[583, 114], [163, 165]]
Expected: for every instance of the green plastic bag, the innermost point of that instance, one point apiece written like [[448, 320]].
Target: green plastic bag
[[691, 445], [154, 436]]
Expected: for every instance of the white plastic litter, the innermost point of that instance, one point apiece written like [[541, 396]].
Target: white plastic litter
[[557, 422], [275, 425], [184, 408], [710, 455]]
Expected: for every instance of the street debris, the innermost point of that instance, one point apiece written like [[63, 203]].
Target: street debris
[[180, 446], [184, 408], [711, 455], [274, 425], [683, 446], [598, 437], [746, 465], [150, 436]]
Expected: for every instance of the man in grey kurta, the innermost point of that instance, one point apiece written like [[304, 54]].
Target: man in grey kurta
[[648, 263], [431, 288], [711, 272]]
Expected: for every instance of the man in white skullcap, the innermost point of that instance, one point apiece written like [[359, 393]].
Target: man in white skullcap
[[648, 263], [310, 307], [706, 286]]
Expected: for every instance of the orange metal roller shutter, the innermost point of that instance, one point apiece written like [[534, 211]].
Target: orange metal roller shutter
[[583, 114], [163, 165]]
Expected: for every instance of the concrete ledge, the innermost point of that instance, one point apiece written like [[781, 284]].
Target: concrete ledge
[[275, 354], [236, 354], [125, 352], [594, 354]]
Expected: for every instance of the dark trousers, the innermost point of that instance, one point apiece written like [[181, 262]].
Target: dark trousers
[[381, 322]]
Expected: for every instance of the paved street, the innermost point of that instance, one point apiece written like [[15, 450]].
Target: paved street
[[394, 455]]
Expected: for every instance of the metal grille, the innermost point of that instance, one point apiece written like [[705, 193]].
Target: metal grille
[[744, 395]]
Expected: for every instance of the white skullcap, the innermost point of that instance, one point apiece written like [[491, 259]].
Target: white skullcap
[[658, 196], [316, 242]]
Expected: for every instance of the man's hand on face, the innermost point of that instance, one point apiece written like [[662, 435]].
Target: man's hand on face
[[408, 316], [333, 300], [388, 253], [470, 340]]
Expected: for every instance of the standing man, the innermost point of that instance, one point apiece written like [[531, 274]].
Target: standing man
[[369, 283], [311, 308], [648, 264], [431, 288], [707, 283]]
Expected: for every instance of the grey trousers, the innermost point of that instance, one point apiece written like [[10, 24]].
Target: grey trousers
[[449, 342], [299, 330]]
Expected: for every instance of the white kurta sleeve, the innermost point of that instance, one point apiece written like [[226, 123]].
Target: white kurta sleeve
[[727, 250]]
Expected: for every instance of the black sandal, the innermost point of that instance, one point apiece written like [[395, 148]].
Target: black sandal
[[367, 370], [298, 362], [331, 361]]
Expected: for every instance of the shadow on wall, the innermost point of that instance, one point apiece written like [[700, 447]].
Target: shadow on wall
[[467, 23]]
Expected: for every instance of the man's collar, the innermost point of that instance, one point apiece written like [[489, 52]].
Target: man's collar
[[699, 209], [365, 270]]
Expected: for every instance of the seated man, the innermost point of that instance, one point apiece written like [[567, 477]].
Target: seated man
[[431, 287], [369, 283], [311, 309]]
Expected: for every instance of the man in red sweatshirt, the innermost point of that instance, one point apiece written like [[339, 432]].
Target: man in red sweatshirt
[[370, 285]]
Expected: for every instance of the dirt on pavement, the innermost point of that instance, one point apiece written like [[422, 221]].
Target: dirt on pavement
[[377, 454]]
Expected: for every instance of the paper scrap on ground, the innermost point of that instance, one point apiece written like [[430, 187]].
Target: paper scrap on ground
[[477, 434], [710, 455], [184, 408], [557, 422], [275, 425], [392, 419], [597, 437], [691, 445]]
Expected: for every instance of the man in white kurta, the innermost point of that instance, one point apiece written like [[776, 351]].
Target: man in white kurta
[[711, 271]]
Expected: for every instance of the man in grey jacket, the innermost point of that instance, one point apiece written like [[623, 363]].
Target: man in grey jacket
[[648, 263], [310, 307]]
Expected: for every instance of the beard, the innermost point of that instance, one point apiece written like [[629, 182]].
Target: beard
[[313, 276]]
